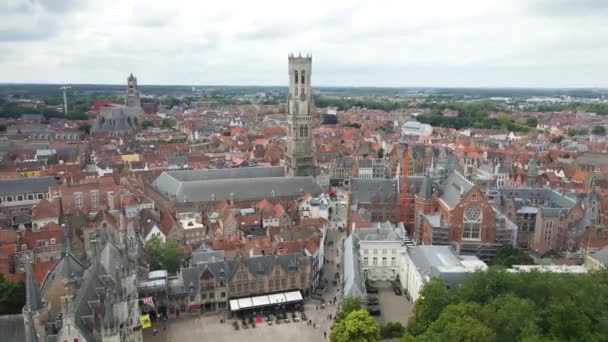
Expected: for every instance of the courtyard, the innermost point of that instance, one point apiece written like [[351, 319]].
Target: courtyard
[[209, 328], [394, 308]]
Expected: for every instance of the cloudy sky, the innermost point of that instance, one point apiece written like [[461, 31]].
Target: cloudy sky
[[447, 43]]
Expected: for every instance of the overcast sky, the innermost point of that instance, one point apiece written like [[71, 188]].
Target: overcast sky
[[446, 43]]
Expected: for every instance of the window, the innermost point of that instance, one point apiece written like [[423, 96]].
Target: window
[[212, 295], [393, 261], [9, 198], [35, 225], [94, 199], [393, 251], [78, 201], [471, 227], [365, 261], [375, 261], [384, 251], [30, 197], [20, 198], [303, 74], [296, 77], [203, 296], [223, 294], [53, 241], [365, 251], [375, 251], [383, 261]]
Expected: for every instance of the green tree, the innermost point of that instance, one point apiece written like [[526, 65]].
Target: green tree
[[349, 304], [392, 330], [433, 298], [164, 255], [357, 326], [532, 121], [85, 127], [146, 124], [599, 130], [381, 153], [510, 317], [507, 256], [12, 296]]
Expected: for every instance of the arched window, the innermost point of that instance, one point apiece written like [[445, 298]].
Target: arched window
[[471, 219], [305, 131], [303, 78], [301, 131], [296, 78]]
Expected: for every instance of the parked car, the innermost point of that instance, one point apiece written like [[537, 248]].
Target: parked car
[[397, 291], [372, 301], [374, 311]]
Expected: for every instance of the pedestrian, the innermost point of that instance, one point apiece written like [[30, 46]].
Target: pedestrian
[[154, 332], [325, 335]]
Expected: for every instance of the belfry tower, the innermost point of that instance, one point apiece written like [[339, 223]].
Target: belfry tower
[[299, 156], [132, 96]]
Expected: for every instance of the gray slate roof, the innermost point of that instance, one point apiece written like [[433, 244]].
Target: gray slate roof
[[550, 197], [354, 284], [426, 189], [454, 185], [26, 185], [382, 232], [428, 259], [33, 296], [12, 327], [242, 183], [363, 189]]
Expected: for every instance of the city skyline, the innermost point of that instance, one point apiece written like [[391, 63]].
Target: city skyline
[[541, 43]]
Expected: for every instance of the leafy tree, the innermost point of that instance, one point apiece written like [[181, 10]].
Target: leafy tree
[[497, 305], [392, 330], [599, 130], [12, 296], [349, 305], [432, 299], [357, 326], [381, 153], [146, 124], [85, 127], [164, 255], [508, 256], [532, 121]]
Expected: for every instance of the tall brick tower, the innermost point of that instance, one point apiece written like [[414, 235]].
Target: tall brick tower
[[299, 156]]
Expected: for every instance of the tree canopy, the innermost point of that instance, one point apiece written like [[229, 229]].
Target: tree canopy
[[12, 296], [508, 256], [357, 326], [164, 255], [496, 305]]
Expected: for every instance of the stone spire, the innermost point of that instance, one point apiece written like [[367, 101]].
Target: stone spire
[[32, 291], [31, 335], [532, 172]]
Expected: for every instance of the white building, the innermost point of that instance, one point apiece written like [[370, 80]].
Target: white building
[[380, 250], [421, 263], [416, 128]]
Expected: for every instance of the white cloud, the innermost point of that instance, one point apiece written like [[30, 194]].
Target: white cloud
[[354, 43]]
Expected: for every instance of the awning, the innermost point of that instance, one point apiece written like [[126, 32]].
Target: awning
[[194, 307], [293, 296], [234, 304], [260, 300], [245, 303], [277, 298]]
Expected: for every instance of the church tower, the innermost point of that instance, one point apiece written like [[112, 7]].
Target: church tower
[[532, 172], [299, 160], [35, 311], [132, 96]]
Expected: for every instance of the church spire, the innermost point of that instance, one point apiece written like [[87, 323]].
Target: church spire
[[32, 291]]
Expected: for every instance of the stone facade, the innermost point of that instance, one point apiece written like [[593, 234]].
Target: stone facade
[[299, 160]]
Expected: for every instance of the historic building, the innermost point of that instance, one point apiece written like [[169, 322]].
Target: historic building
[[98, 304], [119, 120], [132, 95], [299, 160], [454, 211]]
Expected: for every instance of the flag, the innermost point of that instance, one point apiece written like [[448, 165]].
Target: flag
[[149, 301], [145, 321]]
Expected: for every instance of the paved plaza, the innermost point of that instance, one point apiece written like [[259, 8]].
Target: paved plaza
[[394, 308]]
